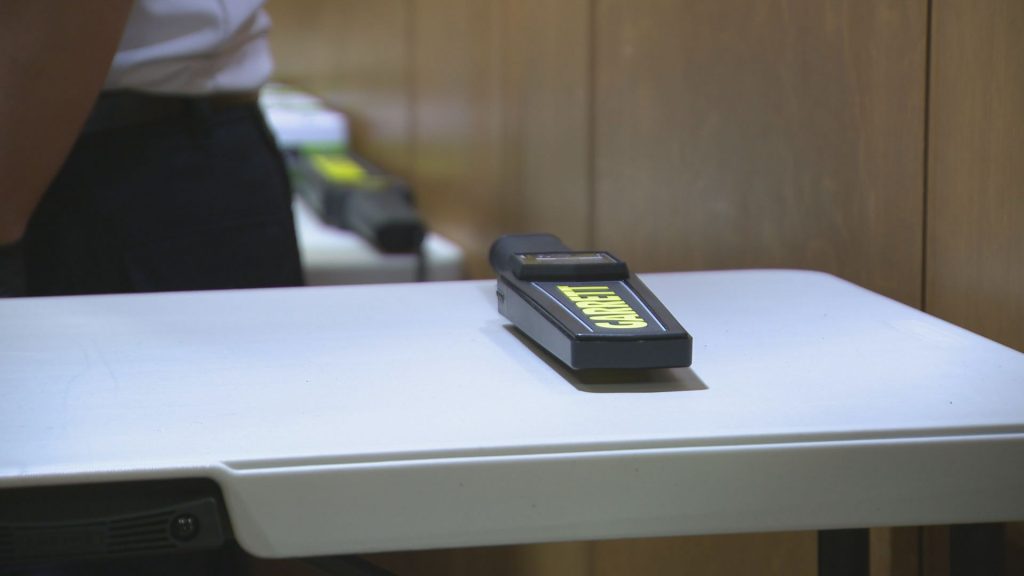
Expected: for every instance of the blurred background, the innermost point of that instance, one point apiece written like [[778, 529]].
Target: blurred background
[[878, 140]]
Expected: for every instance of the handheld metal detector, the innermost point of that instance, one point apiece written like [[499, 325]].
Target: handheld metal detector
[[585, 308], [350, 193]]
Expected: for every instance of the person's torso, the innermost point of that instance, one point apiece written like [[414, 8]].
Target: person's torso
[[193, 47]]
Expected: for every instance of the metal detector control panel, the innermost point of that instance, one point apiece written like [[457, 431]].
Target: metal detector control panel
[[585, 308]]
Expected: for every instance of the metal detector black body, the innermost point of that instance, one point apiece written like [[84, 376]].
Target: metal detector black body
[[349, 193], [585, 308]]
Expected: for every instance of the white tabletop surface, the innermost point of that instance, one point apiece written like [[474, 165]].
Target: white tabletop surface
[[363, 418]]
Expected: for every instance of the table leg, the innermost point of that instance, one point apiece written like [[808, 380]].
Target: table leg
[[843, 552], [976, 550]]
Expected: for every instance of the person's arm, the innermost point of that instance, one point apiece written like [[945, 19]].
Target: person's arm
[[54, 57]]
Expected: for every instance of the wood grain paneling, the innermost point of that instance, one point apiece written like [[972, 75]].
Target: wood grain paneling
[[501, 117], [547, 109], [789, 554], [895, 551], [484, 105], [975, 210], [458, 134], [561, 559], [355, 54], [750, 134], [975, 250], [763, 134]]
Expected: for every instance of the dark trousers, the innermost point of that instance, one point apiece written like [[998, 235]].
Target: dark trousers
[[195, 198]]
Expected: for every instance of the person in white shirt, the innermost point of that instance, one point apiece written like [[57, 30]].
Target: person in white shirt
[[134, 157]]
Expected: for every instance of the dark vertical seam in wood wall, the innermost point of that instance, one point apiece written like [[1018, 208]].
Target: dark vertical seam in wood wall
[[921, 541], [590, 179], [927, 151]]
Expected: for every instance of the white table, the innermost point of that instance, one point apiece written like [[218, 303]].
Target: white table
[[369, 418]]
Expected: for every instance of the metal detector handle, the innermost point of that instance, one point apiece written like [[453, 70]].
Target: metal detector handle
[[505, 247]]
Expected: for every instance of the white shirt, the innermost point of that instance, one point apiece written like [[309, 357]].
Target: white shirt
[[193, 47]]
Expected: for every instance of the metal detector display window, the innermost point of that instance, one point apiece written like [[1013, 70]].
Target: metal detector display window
[[566, 258]]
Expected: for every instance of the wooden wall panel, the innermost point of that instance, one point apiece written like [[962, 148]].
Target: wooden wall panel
[[484, 105], [789, 554], [560, 559], [895, 551], [547, 109], [975, 250], [501, 119], [975, 241], [355, 54], [763, 134], [457, 73]]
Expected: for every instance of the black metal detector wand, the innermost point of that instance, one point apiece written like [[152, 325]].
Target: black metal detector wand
[[585, 308]]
